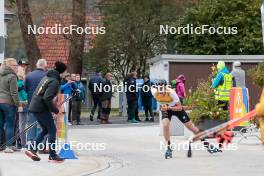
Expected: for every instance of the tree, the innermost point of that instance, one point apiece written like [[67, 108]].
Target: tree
[[77, 40], [132, 34], [14, 42], [243, 14], [30, 42]]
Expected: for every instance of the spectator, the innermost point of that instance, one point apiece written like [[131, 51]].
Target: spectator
[[67, 88], [77, 100], [239, 75], [9, 102], [22, 110], [147, 98], [132, 96], [42, 107], [105, 98], [95, 82], [173, 84], [180, 87], [222, 85], [73, 76], [65, 80], [31, 82]]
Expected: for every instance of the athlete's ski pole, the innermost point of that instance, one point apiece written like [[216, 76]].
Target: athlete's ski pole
[[189, 153]]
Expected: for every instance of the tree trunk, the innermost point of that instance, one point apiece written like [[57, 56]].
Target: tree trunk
[[77, 40], [30, 42]]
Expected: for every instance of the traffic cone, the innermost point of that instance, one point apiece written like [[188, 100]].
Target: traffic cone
[[66, 152]]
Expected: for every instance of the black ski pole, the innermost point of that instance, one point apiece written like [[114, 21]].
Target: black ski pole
[[189, 153]]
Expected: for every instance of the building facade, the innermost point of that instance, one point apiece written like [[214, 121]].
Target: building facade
[[197, 67]]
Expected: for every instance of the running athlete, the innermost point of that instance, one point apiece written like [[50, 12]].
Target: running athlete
[[171, 105]]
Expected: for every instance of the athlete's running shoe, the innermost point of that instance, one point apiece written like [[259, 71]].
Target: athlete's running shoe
[[56, 159], [33, 155]]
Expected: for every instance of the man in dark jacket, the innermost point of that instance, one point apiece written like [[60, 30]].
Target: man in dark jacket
[[105, 98], [132, 96], [78, 99], [31, 82], [42, 107], [147, 96], [95, 81]]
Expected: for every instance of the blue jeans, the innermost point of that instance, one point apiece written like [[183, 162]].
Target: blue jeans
[[7, 123], [32, 132]]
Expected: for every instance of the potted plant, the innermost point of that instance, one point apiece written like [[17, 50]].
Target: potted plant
[[206, 112]]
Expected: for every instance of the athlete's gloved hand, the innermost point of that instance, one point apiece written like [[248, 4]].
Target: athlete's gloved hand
[[172, 108], [164, 108]]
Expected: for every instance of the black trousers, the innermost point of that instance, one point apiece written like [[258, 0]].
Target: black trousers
[[224, 104], [132, 110], [70, 111], [48, 127], [106, 109], [76, 110], [96, 103], [148, 110]]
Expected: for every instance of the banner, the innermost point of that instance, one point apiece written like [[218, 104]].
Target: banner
[[239, 104], [62, 118]]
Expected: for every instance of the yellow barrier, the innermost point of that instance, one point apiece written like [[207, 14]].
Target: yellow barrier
[[260, 113]]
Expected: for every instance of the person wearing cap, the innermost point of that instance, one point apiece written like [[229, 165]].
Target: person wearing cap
[[42, 107], [222, 85], [171, 106], [239, 75]]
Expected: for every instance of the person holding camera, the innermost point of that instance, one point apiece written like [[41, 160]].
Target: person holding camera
[[77, 100], [68, 87]]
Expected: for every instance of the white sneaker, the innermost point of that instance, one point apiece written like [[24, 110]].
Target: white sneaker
[[8, 150], [15, 149], [69, 123]]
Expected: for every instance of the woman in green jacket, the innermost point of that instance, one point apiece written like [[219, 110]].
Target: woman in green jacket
[[9, 102], [22, 111]]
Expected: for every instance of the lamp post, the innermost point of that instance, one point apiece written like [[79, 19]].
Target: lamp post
[[5, 16], [262, 20]]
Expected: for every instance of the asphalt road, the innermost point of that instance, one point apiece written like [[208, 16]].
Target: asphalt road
[[134, 150]]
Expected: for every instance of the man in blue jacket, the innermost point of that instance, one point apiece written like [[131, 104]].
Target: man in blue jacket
[[31, 82], [67, 88], [222, 85]]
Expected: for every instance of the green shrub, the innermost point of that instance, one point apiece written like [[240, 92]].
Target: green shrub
[[204, 103]]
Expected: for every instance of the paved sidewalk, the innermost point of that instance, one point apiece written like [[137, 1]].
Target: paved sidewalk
[[18, 164]]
